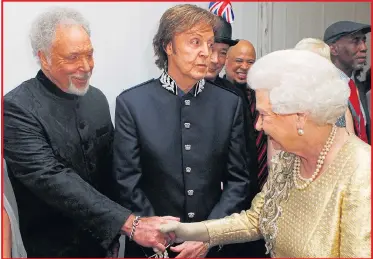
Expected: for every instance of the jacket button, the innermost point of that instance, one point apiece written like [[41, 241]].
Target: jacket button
[[187, 125], [191, 215], [188, 147], [82, 124], [187, 102], [188, 169], [190, 192]]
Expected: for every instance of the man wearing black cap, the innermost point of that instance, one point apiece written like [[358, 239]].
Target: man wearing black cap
[[223, 41], [348, 50]]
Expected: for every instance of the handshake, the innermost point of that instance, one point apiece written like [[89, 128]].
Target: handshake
[[160, 232]]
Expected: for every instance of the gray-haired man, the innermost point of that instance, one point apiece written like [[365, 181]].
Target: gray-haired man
[[58, 145]]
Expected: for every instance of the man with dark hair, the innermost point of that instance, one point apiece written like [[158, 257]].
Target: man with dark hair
[[348, 52], [178, 137], [223, 41]]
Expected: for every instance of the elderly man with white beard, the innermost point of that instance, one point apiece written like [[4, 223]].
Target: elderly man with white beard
[[58, 147]]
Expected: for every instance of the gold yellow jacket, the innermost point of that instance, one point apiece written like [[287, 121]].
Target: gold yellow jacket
[[330, 218]]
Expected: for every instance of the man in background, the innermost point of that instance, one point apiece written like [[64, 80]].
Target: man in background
[[223, 41], [348, 52], [239, 60]]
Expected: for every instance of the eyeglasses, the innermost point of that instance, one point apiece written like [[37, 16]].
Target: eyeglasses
[[160, 254]]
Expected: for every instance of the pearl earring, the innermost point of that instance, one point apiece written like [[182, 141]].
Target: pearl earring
[[300, 132]]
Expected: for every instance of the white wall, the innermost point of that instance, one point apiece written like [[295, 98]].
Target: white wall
[[291, 22], [122, 36]]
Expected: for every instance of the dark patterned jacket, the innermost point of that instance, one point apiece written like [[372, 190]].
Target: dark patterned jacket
[[59, 150]]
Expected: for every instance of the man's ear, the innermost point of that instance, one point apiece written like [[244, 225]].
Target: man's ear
[[169, 48], [43, 60], [334, 49]]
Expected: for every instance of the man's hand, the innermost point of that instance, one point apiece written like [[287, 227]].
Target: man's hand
[[190, 249], [147, 232]]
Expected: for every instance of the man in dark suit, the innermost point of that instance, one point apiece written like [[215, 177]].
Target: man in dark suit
[[178, 137], [223, 41], [58, 146], [240, 58]]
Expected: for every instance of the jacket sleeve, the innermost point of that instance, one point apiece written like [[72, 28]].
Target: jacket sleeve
[[236, 190], [126, 162], [32, 161]]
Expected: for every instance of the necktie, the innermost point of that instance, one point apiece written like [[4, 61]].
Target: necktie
[[261, 142], [359, 122]]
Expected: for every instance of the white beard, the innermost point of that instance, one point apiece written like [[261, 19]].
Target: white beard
[[77, 91]]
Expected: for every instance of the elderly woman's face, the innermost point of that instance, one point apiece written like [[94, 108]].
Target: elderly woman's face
[[281, 129]]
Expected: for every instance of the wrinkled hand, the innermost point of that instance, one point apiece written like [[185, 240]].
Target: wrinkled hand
[[190, 249], [148, 232]]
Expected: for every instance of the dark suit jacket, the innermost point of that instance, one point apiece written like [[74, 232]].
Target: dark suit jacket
[[254, 249], [171, 153], [58, 149], [164, 166], [250, 134]]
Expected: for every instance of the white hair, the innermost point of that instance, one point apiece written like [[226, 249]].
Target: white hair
[[44, 27], [315, 45], [300, 81]]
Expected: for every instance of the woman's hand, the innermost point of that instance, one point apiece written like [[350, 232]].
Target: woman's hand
[[186, 231]]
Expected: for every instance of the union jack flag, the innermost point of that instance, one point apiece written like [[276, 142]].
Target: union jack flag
[[223, 9]]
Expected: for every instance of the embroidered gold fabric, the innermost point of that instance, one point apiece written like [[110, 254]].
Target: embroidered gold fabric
[[330, 218], [277, 190]]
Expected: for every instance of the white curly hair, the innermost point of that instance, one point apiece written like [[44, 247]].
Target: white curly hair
[[315, 45], [44, 27], [300, 81]]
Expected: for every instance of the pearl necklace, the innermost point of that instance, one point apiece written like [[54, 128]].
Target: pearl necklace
[[320, 162]]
